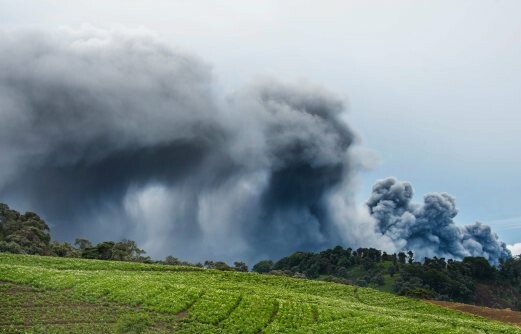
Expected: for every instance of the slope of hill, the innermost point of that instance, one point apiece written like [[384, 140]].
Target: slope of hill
[[55, 295], [472, 280]]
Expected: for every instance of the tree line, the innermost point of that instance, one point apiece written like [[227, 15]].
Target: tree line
[[433, 278], [28, 233], [436, 278]]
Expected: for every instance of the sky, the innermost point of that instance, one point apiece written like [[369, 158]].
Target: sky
[[432, 87]]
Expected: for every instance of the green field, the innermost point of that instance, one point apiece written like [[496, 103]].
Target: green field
[[58, 295]]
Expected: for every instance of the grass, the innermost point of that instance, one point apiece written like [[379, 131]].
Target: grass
[[56, 295]]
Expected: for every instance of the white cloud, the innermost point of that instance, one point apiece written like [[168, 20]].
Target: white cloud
[[515, 248]]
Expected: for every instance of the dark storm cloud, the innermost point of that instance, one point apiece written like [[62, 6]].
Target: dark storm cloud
[[113, 134], [428, 228]]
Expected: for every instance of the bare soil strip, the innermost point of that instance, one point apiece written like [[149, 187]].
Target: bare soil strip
[[503, 315]]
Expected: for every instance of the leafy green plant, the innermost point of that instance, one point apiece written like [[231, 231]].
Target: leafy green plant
[[133, 323], [195, 300]]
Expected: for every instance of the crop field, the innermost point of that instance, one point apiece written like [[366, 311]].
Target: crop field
[[57, 295]]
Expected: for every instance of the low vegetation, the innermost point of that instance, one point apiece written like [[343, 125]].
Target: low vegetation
[[64, 295], [472, 280]]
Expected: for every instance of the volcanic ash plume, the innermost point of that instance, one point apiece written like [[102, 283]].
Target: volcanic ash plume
[[428, 228], [114, 134]]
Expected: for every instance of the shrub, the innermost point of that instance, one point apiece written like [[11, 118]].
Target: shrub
[[133, 323]]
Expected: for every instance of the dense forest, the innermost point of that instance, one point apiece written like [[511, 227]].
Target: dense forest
[[471, 280]]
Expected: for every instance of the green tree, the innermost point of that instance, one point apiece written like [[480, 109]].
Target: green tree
[[411, 257], [480, 268], [172, 261], [263, 267], [240, 266], [64, 249], [24, 233], [401, 257], [82, 243]]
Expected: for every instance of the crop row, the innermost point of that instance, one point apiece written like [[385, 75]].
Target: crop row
[[208, 301]]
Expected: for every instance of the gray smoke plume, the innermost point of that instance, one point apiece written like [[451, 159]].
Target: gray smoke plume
[[428, 228], [113, 134]]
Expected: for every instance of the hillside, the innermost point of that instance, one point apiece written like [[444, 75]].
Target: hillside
[[58, 295], [472, 280]]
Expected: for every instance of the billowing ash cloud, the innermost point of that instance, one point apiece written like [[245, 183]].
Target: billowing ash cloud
[[429, 228], [114, 134]]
